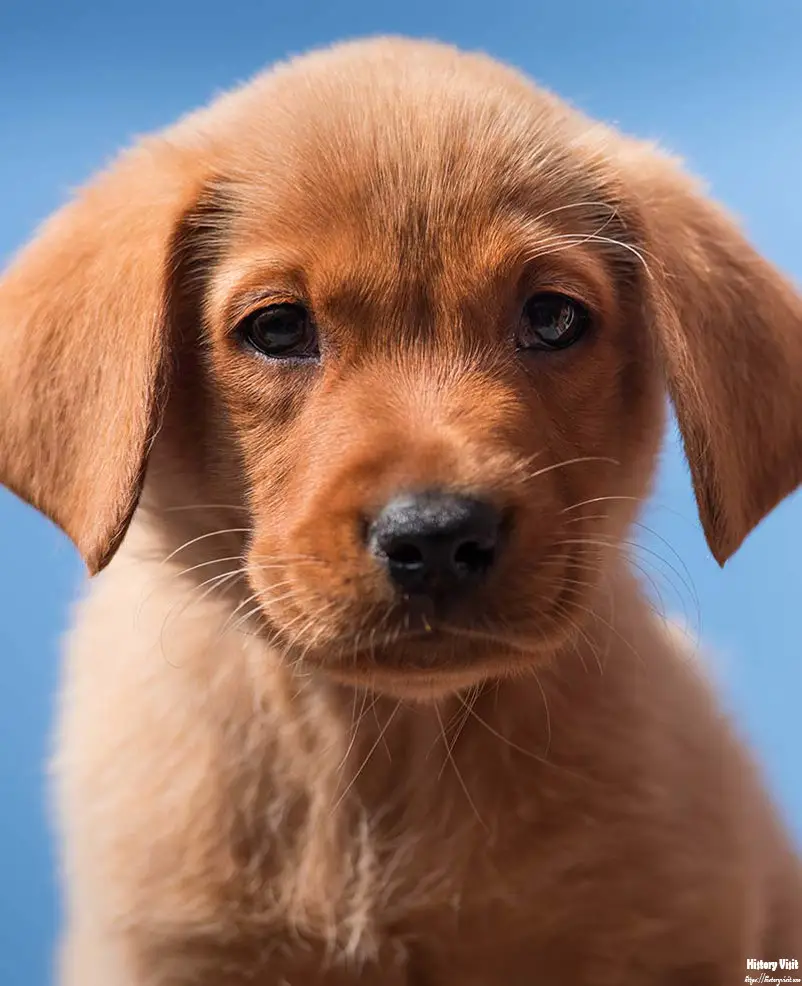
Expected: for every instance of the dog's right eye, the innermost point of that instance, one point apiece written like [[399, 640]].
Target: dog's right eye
[[283, 331]]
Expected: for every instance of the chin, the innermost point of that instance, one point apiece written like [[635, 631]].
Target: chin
[[426, 665], [416, 687]]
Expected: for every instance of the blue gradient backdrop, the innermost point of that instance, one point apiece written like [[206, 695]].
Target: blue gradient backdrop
[[719, 82]]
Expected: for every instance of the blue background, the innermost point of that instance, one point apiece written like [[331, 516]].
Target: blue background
[[719, 82]]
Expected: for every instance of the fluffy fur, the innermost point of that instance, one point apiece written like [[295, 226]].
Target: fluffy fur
[[270, 769]]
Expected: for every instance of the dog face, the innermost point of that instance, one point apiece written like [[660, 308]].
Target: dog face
[[432, 365], [422, 316]]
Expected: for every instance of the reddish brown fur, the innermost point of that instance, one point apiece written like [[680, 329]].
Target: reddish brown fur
[[301, 780]]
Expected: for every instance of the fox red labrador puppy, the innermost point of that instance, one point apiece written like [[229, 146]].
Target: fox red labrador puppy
[[348, 390]]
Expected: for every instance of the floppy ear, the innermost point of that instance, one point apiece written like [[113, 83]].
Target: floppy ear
[[85, 347], [729, 332]]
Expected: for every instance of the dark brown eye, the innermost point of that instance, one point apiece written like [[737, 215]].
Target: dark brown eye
[[283, 331], [552, 321]]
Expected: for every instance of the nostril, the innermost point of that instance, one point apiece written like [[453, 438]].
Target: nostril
[[474, 558], [406, 555]]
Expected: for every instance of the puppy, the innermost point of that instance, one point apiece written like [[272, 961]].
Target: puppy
[[348, 390]]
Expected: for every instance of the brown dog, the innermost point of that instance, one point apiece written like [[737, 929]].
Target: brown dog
[[368, 692]]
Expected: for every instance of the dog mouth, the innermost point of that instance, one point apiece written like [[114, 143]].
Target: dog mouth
[[417, 637], [419, 644], [415, 662]]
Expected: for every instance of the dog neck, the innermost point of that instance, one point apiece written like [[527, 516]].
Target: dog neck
[[325, 788]]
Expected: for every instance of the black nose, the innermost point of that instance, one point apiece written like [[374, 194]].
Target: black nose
[[436, 544]]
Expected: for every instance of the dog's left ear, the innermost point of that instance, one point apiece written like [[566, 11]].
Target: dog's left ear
[[728, 327], [85, 346]]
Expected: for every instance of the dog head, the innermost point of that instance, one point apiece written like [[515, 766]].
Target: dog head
[[416, 318]]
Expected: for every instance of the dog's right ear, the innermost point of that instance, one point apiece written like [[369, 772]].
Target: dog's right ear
[[85, 346]]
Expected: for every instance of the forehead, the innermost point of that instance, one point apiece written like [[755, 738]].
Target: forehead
[[392, 175]]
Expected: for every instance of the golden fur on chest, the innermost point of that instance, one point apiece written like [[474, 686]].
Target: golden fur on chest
[[464, 839]]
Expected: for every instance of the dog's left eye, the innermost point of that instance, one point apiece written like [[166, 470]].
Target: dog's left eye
[[281, 331], [552, 321]]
